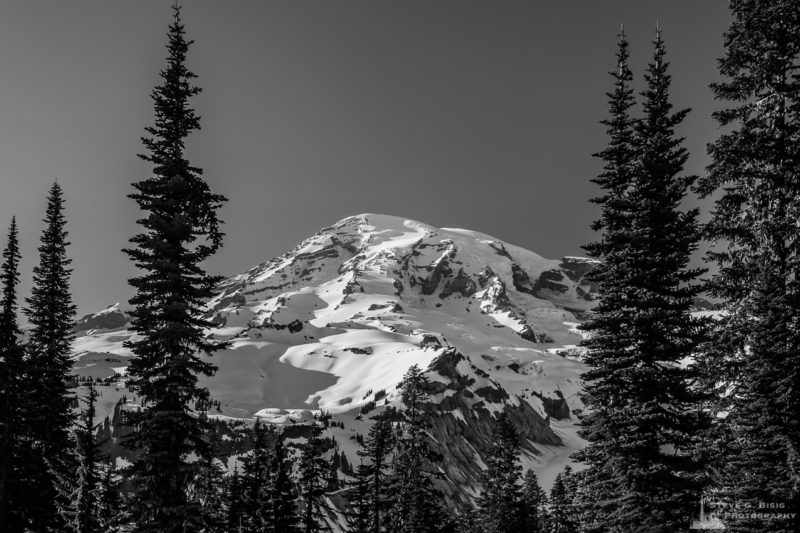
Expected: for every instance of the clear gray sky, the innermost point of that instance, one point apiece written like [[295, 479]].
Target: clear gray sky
[[474, 114]]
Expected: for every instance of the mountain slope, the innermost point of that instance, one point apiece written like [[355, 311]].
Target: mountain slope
[[335, 323]]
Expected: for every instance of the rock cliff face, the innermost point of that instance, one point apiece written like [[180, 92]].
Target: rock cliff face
[[335, 323]]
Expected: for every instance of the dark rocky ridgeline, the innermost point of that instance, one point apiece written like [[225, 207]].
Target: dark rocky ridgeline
[[110, 318], [464, 420]]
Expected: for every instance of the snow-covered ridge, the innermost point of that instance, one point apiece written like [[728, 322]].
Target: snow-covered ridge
[[335, 323]]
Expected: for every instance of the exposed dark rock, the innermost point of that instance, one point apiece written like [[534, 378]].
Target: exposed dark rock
[[485, 275], [461, 284], [549, 281], [528, 334], [521, 280], [360, 351], [294, 326], [492, 394], [441, 271], [430, 341], [500, 249], [398, 287], [556, 408]]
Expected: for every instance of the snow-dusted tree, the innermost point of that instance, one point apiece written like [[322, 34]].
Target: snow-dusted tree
[[180, 230], [644, 412], [47, 389], [755, 180]]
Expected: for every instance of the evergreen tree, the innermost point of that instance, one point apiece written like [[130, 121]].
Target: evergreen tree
[[467, 520], [563, 516], [47, 395], [207, 490], [755, 353], [282, 492], [376, 450], [313, 470], [417, 506], [111, 511], [359, 503], [12, 510], [85, 501], [256, 481], [534, 503], [235, 502], [501, 508], [180, 230], [644, 412]]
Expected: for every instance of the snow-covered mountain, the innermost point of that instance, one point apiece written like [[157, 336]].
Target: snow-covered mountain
[[335, 323]]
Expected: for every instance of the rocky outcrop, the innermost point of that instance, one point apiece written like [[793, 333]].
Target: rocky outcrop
[[460, 284], [462, 423], [110, 318]]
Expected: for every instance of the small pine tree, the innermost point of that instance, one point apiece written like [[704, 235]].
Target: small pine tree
[[534, 503], [563, 516], [313, 471], [282, 492], [48, 397], [256, 480], [501, 509], [359, 502], [234, 502], [180, 230], [111, 510], [85, 501], [207, 491], [376, 450]]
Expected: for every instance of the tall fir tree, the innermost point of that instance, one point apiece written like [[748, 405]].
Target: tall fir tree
[[85, 500], [418, 502], [376, 451], [180, 229], [645, 412], [501, 503], [12, 421], [754, 178], [48, 397], [313, 470]]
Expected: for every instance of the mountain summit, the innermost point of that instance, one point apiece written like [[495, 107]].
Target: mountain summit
[[333, 325]]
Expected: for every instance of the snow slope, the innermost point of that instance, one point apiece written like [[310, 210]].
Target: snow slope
[[335, 323]]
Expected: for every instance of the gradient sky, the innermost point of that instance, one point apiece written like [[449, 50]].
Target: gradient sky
[[473, 114]]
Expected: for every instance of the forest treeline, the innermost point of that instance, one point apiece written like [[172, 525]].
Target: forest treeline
[[681, 407]]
